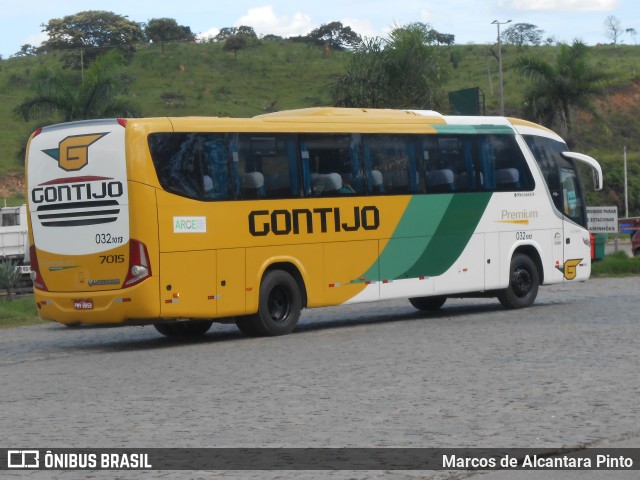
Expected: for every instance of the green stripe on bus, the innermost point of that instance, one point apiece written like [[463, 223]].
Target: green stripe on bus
[[458, 224], [430, 237]]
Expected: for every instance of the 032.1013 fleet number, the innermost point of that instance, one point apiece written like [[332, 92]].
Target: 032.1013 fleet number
[[107, 238]]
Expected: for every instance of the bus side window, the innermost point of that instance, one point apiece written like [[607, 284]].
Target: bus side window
[[216, 157], [391, 164], [503, 164], [440, 163], [467, 178], [187, 164], [267, 166], [331, 165]]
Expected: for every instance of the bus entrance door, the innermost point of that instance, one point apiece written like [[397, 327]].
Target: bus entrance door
[[576, 248]]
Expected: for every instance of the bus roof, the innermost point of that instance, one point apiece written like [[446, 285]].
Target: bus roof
[[375, 115], [351, 112]]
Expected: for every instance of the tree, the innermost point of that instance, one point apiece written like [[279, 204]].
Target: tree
[[335, 36], [433, 35], [613, 29], [632, 31], [160, 30], [248, 33], [442, 38], [235, 43], [406, 70], [89, 34], [26, 50], [61, 93], [558, 88], [521, 34]]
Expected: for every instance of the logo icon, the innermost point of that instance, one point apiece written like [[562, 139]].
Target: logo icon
[[570, 268], [73, 152], [23, 458]]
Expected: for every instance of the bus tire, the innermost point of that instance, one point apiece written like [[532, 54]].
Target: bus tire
[[428, 303], [190, 328], [246, 324], [279, 304], [524, 281]]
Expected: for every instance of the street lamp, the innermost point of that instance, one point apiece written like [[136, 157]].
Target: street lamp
[[497, 23]]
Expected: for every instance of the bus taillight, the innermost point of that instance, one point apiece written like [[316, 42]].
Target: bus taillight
[[139, 265], [36, 278]]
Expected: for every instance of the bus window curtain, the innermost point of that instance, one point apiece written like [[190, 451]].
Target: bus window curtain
[[235, 164], [292, 156], [306, 168], [356, 169], [412, 166], [487, 159]]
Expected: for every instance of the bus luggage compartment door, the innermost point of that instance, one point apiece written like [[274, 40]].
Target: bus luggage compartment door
[[188, 284]]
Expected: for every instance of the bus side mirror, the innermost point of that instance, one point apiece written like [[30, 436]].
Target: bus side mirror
[[592, 162]]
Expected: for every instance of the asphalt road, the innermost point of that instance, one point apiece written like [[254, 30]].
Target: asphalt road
[[563, 373]]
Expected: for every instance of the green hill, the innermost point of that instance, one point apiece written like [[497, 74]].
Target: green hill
[[202, 79]]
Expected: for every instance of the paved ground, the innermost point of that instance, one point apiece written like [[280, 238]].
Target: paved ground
[[563, 373]]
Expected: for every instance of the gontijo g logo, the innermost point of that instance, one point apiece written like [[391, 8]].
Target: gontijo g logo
[[73, 152]]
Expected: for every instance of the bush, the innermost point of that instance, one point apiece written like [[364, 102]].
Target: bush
[[617, 264], [9, 276]]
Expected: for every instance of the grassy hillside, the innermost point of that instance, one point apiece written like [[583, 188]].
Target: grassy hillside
[[202, 79]]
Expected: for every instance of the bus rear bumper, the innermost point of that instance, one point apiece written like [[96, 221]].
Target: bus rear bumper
[[137, 304]]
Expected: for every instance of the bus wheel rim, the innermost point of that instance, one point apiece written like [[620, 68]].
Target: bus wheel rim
[[279, 304], [521, 281]]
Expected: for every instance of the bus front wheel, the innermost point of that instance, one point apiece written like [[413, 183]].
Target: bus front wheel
[[279, 304], [523, 283], [189, 328]]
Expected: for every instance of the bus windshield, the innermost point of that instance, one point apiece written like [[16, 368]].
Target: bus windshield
[[560, 175]]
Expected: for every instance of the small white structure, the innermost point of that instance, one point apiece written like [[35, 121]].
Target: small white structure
[[14, 238]]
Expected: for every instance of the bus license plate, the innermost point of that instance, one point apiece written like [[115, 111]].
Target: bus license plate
[[83, 304]]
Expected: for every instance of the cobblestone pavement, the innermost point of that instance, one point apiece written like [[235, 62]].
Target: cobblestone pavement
[[562, 373]]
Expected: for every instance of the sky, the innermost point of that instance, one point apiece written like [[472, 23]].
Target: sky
[[469, 20]]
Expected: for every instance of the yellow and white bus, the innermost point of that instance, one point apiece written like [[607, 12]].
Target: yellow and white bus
[[181, 222]]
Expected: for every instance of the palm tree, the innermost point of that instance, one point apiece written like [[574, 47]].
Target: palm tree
[[95, 96], [559, 88]]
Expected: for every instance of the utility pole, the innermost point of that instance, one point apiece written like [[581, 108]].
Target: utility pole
[[626, 196], [501, 90]]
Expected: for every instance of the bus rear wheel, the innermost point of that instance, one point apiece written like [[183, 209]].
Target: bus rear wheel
[[279, 304], [524, 280], [189, 328], [428, 303]]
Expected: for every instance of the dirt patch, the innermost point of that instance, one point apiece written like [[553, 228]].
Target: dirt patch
[[11, 184], [624, 99]]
